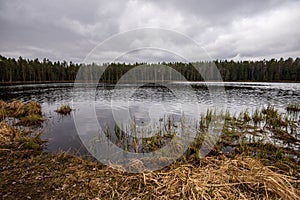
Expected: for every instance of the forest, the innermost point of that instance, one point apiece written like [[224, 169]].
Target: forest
[[28, 70]]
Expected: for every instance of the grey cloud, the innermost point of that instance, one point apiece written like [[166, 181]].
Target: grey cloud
[[220, 12], [69, 30]]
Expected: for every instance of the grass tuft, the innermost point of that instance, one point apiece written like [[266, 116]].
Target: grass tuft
[[294, 107], [64, 109], [31, 120], [29, 113]]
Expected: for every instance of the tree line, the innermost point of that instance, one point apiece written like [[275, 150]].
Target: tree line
[[34, 70]]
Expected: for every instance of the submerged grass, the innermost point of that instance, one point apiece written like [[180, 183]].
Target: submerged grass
[[294, 107]]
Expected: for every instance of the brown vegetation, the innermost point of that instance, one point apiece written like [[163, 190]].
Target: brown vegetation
[[41, 175], [293, 107], [27, 172], [28, 114], [64, 109]]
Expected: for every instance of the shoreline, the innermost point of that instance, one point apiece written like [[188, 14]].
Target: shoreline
[[70, 81], [28, 172]]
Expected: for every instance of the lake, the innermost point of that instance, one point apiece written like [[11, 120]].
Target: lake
[[145, 104]]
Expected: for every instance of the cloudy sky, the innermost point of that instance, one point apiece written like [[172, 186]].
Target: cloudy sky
[[226, 29]]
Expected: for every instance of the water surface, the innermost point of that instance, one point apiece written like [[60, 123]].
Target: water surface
[[144, 104]]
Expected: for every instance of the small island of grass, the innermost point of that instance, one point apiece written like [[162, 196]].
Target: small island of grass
[[64, 109]]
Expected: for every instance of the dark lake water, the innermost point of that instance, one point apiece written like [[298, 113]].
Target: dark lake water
[[145, 105]]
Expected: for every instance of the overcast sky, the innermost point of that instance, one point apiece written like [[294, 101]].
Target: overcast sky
[[226, 29]]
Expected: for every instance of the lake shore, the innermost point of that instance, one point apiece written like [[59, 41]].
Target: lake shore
[[36, 175], [28, 172], [108, 82]]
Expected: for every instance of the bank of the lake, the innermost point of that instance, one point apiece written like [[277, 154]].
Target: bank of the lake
[[254, 171], [114, 82]]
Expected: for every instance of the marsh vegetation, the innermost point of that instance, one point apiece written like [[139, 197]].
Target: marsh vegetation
[[263, 163], [64, 109], [26, 114]]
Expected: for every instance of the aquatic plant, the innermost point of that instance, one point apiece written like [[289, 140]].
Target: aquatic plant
[[267, 123], [64, 109], [246, 117], [227, 116], [293, 107], [28, 113], [257, 117], [244, 174], [31, 120], [272, 117], [209, 115]]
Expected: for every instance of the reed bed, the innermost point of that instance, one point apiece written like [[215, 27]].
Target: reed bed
[[262, 127]]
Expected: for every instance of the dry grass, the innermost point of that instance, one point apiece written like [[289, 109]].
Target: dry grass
[[19, 109], [63, 176], [13, 139], [3, 113], [64, 109], [33, 107], [3, 103], [7, 133], [27, 172], [16, 108], [31, 120], [30, 114]]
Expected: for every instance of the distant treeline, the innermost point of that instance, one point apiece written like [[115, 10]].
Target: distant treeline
[[25, 70]]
